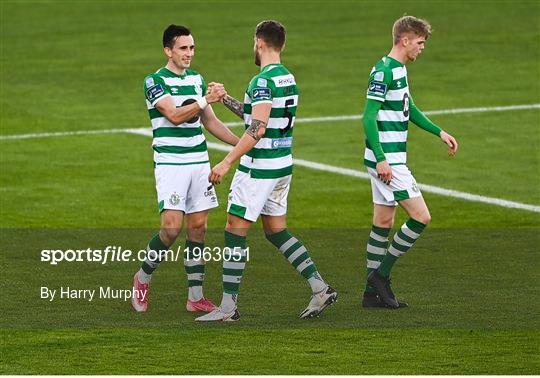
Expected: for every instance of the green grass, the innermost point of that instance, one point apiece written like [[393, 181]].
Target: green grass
[[470, 279]]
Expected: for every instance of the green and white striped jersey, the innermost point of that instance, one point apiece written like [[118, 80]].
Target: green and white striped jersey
[[271, 157], [388, 83], [176, 144]]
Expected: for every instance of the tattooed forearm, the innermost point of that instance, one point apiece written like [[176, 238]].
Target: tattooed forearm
[[234, 106], [254, 129]]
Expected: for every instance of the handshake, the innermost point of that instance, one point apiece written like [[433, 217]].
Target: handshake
[[216, 92]]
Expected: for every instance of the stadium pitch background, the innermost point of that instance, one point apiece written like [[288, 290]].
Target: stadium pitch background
[[72, 75]]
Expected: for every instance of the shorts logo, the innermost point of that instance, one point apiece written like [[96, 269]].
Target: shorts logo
[[261, 94], [377, 89], [415, 187], [174, 199], [281, 143], [210, 193], [154, 92]]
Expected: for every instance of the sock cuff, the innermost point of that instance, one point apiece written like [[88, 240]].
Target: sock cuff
[[232, 240], [415, 225], [156, 244], [381, 231], [279, 238], [191, 244]]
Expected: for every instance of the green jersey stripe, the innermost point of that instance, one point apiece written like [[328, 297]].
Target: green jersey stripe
[[392, 126], [178, 132], [260, 153], [275, 112], [392, 146], [392, 105], [181, 150], [266, 173]]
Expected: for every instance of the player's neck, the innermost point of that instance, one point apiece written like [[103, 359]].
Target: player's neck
[[270, 58], [398, 55], [174, 69]]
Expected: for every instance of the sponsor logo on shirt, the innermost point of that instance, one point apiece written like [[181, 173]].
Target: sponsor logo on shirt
[[261, 94], [154, 92], [281, 143], [287, 81], [378, 89]]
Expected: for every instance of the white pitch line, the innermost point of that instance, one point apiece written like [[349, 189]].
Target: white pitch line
[[356, 117], [424, 187], [330, 168], [354, 173], [299, 120]]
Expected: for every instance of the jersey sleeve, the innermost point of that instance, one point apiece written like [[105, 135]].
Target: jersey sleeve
[[378, 84], [155, 89], [261, 90], [204, 87]]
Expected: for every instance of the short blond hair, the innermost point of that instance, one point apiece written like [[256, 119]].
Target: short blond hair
[[410, 24]]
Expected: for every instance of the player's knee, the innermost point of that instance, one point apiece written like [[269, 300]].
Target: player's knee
[[196, 232], [169, 234], [383, 221], [424, 218], [170, 229]]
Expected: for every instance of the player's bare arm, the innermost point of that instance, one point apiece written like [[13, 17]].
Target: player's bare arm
[[217, 128], [234, 106], [260, 117], [256, 129], [177, 116]]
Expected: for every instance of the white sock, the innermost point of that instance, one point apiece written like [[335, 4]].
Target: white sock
[[143, 276], [195, 293], [228, 302], [317, 283]]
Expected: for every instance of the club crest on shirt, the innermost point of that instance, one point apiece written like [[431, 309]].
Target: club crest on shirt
[[149, 82], [198, 90], [379, 76]]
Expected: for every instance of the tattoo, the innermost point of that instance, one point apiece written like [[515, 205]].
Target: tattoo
[[253, 130], [234, 106]]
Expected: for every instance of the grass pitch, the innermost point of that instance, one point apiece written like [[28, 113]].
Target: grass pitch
[[470, 280]]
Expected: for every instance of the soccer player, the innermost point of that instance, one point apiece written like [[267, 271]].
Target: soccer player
[[178, 100], [261, 183], [389, 107]]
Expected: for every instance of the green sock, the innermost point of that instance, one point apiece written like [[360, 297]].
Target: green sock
[[297, 254], [376, 250], [403, 240], [194, 265], [234, 262], [154, 254]]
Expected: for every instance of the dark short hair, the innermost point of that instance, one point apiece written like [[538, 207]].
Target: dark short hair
[[271, 32], [173, 31]]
